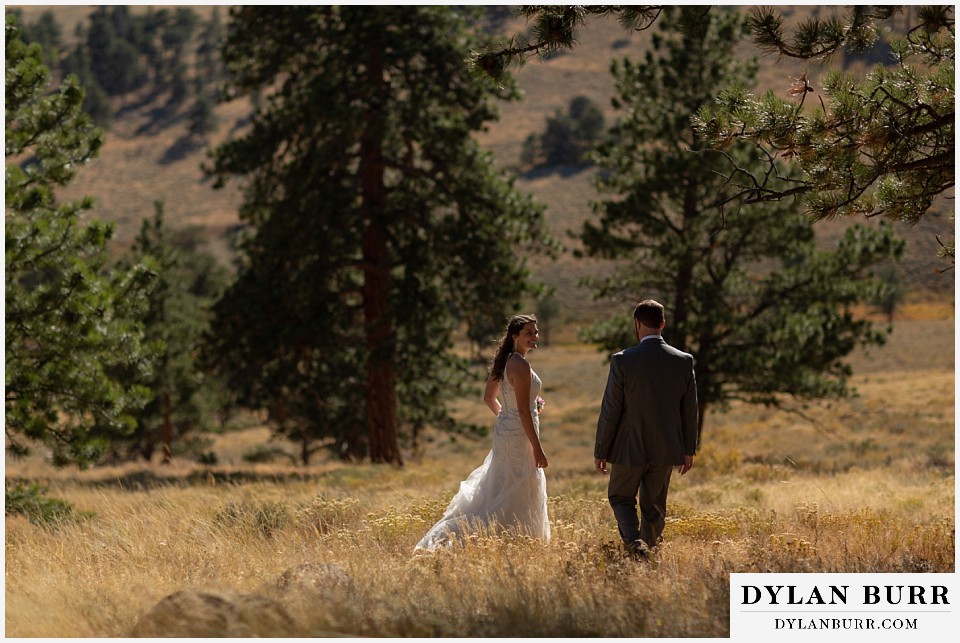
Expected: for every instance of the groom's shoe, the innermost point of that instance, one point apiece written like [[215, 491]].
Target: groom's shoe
[[638, 550]]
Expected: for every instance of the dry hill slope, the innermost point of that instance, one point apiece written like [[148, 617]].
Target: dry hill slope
[[143, 162]]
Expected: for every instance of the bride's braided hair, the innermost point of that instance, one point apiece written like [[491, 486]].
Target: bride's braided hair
[[506, 346]]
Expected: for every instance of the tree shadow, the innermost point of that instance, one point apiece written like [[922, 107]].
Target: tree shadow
[[145, 99], [146, 480], [565, 171], [181, 149]]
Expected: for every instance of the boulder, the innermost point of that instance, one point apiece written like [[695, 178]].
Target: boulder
[[198, 614]]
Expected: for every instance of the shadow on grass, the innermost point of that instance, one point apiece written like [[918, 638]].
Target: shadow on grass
[[148, 480]]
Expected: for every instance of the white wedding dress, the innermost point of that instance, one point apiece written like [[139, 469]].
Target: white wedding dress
[[508, 491]]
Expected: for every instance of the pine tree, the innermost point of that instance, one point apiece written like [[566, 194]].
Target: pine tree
[[176, 35], [375, 220], [189, 280], [568, 137], [208, 65], [179, 83], [878, 145], [201, 118], [764, 312], [153, 22], [71, 322], [96, 102], [115, 61]]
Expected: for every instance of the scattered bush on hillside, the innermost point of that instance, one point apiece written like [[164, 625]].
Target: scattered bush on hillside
[[202, 118], [567, 138]]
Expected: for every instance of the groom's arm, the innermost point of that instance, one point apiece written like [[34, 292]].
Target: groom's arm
[[690, 411], [610, 410]]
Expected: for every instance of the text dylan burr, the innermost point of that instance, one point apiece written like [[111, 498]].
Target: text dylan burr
[[838, 594]]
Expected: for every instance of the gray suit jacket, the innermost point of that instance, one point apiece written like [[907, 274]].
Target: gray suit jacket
[[649, 413]]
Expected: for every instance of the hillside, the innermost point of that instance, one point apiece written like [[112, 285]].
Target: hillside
[[145, 160]]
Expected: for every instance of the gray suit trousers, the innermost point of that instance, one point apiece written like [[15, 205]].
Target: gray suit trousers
[[650, 482]]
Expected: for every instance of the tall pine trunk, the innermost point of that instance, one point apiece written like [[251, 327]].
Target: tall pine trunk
[[684, 284], [381, 378], [305, 447], [167, 430], [684, 278]]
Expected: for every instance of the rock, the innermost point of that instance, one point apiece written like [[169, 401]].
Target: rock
[[191, 613]]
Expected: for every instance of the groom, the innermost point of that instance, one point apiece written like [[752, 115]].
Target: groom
[[648, 425]]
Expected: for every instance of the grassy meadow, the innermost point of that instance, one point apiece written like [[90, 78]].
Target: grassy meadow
[[864, 485]]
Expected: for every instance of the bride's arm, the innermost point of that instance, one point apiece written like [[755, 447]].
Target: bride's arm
[[518, 370], [490, 395]]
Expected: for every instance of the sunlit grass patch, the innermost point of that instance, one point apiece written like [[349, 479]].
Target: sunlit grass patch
[[706, 525], [397, 526], [322, 514]]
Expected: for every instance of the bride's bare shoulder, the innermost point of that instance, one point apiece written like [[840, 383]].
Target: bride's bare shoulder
[[516, 365]]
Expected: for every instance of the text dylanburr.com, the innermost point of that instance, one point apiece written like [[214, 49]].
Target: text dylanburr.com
[[824, 607]]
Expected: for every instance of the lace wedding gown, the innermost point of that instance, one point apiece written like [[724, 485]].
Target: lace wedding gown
[[507, 491]]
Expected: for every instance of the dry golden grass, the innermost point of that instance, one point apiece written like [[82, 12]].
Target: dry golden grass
[[98, 577], [870, 488]]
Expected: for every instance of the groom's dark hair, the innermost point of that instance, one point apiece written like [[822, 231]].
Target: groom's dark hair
[[649, 313]]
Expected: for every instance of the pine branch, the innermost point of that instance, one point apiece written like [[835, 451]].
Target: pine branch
[[555, 27], [816, 38]]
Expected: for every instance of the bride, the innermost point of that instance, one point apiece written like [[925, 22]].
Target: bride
[[509, 490]]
